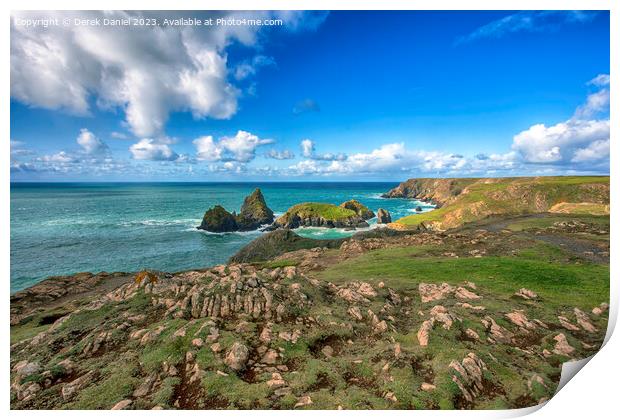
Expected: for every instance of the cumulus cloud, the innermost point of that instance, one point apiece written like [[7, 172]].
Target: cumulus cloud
[[527, 21], [306, 105], [561, 142], [581, 139], [148, 72], [280, 154], [90, 143], [240, 148], [148, 149], [595, 103], [308, 151]]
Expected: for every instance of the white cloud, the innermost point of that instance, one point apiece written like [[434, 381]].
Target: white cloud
[[60, 157], [119, 135], [90, 143], [527, 21], [280, 154], [148, 72], [600, 80], [249, 68], [207, 149], [240, 148], [307, 148], [560, 142], [595, 151], [577, 140], [148, 149], [595, 103], [308, 151]]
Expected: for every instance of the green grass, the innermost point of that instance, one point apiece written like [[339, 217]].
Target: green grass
[[327, 211], [118, 384], [546, 222], [577, 284]]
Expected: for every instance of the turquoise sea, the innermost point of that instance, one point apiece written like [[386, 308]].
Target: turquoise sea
[[64, 228]]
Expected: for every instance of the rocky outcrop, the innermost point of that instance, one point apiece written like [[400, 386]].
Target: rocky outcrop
[[217, 219], [383, 216], [469, 376], [359, 209], [278, 242], [254, 214], [323, 215]]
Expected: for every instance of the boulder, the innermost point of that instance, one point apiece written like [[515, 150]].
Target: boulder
[[217, 219], [254, 212], [562, 347], [383, 217], [237, 356]]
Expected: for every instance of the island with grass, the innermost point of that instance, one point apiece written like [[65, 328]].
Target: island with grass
[[474, 305]]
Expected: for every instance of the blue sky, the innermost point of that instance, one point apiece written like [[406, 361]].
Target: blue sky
[[325, 96]]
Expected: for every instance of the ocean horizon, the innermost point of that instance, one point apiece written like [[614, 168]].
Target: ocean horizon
[[129, 226]]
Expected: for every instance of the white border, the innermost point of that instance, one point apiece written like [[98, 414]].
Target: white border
[[593, 393]]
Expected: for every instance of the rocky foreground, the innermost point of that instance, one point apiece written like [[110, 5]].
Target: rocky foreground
[[482, 317]]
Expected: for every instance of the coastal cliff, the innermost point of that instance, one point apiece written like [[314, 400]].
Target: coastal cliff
[[462, 200]]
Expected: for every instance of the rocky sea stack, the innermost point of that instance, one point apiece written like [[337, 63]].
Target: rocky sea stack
[[254, 213], [217, 219]]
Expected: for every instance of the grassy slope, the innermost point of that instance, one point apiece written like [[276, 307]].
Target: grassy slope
[[494, 200], [541, 268]]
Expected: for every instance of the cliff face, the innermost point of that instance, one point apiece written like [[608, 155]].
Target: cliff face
[[468, 199], [432, 190]]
